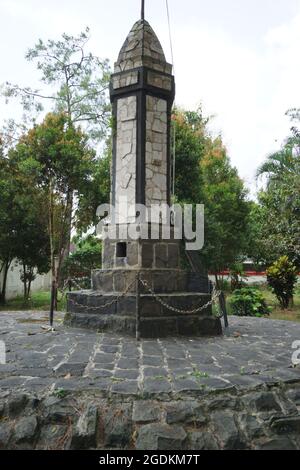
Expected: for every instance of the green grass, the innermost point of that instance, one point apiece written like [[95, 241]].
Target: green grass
[[290, 314], [39, 301]]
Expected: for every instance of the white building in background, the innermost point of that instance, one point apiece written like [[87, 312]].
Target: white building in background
[[15, 285]]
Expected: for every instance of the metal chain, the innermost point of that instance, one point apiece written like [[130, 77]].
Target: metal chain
[[64, 288], [215, 296], [108, 304]]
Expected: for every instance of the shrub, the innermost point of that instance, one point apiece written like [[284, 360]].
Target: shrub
[[86, 257], [223, 285], [282, 277], [249, 302], [237, 276]]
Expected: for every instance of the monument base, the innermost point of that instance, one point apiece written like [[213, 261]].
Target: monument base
[[164, 308]]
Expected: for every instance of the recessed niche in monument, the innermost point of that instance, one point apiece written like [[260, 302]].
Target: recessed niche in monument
[[121, 250]]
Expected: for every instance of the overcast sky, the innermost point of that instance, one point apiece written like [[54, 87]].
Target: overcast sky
[[239, 58]]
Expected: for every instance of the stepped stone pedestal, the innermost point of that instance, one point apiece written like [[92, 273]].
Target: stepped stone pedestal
[[179, 289], [142, 92], [111, 304]]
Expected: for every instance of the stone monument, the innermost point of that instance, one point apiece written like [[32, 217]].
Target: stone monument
[[141, 284]]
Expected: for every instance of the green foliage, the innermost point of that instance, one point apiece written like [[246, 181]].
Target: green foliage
[[248, 301], [224, 284], [60, 164], [257, 247], [282, 277], [204, 175], [23, 225], [60, 393], [57, 151], [226, 209], [96, 192], [75, 84], [278, 215], [87, 256], [38, 301], [189, 129], [237, 276]]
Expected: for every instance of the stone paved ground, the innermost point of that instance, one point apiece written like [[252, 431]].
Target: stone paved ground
[[85, 390], [252, 352]]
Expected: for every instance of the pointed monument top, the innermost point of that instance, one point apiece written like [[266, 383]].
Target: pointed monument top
[[142, 48]]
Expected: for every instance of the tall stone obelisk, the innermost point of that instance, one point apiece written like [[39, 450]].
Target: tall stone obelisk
[[142, 95], [142, 92]]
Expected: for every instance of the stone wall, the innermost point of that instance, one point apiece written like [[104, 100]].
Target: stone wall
[[255, 419], [15, 286]]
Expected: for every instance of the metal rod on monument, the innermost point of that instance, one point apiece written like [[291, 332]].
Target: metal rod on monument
[[138, 318], [143, 10]]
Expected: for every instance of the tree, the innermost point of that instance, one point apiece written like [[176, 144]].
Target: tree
[[190, 135], [8, 225], [87, 256], [79, 80], [204, 175], [80, 83], [32, 249], [96, 193], [60, 161], [259, 250], [23, 234], [282, 277], [226, 209], [280, 202]]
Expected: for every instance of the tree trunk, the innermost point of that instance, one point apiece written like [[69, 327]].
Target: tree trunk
[[52, 253], [28, 289], [24, 283], [69, 222], [3, 290], [30, 282], [217, 282], [67, 233]]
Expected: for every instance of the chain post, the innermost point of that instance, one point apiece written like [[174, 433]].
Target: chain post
[[53, 294], [222, 302], [138, 318]]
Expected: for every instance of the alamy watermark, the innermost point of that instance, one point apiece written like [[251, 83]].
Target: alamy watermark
[[138, 221], [296, 353], [2, 353]]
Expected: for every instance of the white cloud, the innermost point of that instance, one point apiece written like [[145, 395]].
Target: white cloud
[[40, 14], [247, 81], [249, 88]]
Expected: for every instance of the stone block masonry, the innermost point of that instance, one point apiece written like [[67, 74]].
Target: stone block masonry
[[126, 154], [75, 419], [156, 151], [78, 389]]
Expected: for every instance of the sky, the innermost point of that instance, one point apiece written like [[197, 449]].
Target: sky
[[238, 59]]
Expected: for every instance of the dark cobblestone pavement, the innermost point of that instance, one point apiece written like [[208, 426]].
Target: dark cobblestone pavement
[[252, 352]]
